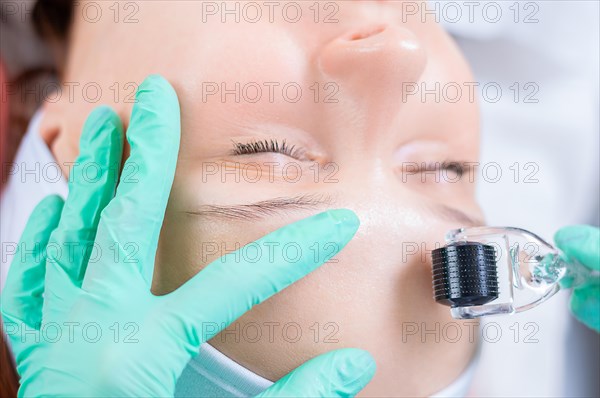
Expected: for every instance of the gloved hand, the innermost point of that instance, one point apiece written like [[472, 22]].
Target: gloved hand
[[582, 243], [84, 322]]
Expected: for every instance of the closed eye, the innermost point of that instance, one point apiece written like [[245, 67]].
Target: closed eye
[[268, 146], [454, 166]]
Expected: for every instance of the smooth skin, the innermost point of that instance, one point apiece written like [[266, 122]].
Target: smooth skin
[[354, 147], [85, 323]]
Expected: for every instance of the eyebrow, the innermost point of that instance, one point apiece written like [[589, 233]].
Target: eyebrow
[[258, 210], [270, 207]]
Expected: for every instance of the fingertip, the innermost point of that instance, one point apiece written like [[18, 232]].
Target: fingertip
[[338, 373], [347, 370], [156, 116], [154, 80], [581, 243], [362, 357], [360, 362], [156, 84], [51, 204], [100, 117], [346, 217], [103, 112], [345, 226], [572, 233]]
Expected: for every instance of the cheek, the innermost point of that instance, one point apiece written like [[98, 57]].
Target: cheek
[[189, 242], [369, 296], [375, 290]]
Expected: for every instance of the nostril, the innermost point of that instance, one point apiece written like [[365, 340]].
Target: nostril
[[374, 58], [365, 33]]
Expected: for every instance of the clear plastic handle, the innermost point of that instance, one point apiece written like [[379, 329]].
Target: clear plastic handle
[[532, 273]]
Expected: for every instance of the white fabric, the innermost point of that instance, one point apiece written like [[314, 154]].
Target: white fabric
[[36, 176], [211, 373]]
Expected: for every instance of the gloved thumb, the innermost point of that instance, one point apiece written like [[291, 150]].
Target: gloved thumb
[[338, 373], [580, 242]]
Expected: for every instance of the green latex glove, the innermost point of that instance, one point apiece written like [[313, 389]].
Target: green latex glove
[[582, 243], [84, 322]]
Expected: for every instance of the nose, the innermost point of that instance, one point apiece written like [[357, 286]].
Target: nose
[[373, 62]]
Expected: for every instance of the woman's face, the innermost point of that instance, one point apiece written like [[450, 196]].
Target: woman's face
[[344, 89]]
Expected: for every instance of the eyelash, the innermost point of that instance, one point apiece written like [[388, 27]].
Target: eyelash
[[457, 167], [273, 146], [266, 146]]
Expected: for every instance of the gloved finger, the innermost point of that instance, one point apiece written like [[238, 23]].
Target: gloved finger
[[585, 303], [22, 294], [228, 287], [581, 242], [135, 215], [339, 373], [92, 183]]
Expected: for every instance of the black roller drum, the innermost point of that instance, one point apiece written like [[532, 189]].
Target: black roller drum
[[465, 274]]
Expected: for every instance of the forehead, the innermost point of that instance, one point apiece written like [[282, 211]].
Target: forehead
[[232, 61]]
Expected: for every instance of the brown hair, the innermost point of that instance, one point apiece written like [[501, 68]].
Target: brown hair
[[9, 380], [52, 21]]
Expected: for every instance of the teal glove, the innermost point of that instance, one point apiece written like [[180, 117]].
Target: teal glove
[[84, 322], [582, 243]]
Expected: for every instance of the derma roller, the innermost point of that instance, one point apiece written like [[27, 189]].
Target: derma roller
[[499, 270]]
